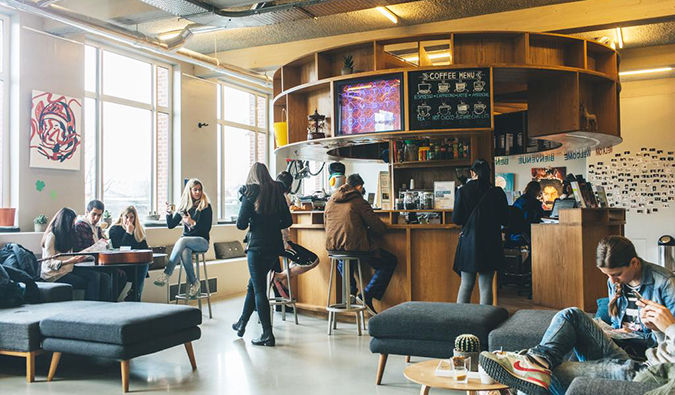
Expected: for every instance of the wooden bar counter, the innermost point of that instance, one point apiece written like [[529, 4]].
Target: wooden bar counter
[[424, 272], [564, 273]]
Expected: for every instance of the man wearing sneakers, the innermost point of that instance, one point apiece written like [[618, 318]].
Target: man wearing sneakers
[[541, 370], [351, 225]]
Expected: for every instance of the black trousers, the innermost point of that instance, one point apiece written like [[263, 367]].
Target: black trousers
[[96, 285], [256, 295]]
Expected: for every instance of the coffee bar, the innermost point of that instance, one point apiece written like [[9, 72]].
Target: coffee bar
[[428, 121]]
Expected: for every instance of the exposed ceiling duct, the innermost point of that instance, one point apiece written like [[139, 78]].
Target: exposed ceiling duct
[[268, 13], [136, 39]]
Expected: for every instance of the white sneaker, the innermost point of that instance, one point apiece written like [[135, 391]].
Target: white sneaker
[[162, 280], [194, 289]]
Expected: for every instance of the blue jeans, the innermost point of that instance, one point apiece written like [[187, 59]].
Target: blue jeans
[[183, 250], [384, 266], [599, 357]]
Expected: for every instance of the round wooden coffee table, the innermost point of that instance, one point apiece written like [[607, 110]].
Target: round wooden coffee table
[[423, 373]]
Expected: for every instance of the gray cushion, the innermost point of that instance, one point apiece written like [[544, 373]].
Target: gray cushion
[[229, 249], [418, 348], [118, 351], [595, 386], [121, 323], [523, 330], [20, 326], [435, 321], [54, 292]]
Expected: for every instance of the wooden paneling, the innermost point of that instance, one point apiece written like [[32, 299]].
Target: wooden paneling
[[432, 253], [553, 105], [297, 117], [486, 49], [600, 99], [322, 101], [398, 290], [312, 287], [556, 51], [364, 59]]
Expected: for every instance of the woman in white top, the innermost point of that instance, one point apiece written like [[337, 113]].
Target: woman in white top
[[59, 239]]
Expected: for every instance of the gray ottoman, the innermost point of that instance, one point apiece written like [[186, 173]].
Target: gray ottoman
[[120, 331], [429, 329], [523, 330]]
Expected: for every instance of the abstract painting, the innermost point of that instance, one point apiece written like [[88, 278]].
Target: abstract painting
[[55, 138]]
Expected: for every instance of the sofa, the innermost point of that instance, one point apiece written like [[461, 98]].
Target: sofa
[[120, 331], [429, 329]]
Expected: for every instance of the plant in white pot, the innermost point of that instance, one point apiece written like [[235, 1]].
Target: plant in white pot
[[347, 65], [468, 346], [40, 223]]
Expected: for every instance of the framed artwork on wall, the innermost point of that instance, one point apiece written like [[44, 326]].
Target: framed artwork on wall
[[55, 131], [551, 180]]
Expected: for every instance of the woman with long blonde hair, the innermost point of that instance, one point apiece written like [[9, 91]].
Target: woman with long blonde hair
[[127, 231], [194, 212], [265, 212]]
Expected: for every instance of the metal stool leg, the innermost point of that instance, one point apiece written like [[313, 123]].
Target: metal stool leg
[[180, 274], [290, 289], [363, 292], [199, 300], [206, 280], [333, 268]]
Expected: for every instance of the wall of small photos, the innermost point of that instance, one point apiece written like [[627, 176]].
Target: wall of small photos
[[642, 182]]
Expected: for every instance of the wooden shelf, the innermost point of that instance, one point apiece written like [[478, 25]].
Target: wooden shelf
[[487, 48], [553, 50], [433, 163]]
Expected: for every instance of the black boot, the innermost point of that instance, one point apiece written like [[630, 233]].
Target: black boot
[[267, 338], [240, 327]]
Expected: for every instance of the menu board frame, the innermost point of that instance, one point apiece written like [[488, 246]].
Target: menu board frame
[[465, 95]]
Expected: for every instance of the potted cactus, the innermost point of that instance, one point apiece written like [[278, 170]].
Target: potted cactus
[[40, 223], [468, 346], [347, 65]]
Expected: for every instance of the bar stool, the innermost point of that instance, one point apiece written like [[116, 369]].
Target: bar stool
[[280, 300], [348, 257], [202, 295]]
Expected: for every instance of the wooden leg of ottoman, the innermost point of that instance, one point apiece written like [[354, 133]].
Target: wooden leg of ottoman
[[380, 368], [407, 359], [191, 355], [125, 375], [56, 357]]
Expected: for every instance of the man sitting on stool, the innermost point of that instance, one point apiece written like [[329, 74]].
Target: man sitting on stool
[[351, 225]]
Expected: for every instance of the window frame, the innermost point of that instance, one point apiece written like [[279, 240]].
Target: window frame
[[154, 107], [222, 123], [5, 78]]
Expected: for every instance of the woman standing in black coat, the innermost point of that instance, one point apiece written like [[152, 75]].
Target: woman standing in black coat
[[481, 209], [265, 212]]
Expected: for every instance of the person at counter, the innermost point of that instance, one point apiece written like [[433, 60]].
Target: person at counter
[[642, 301], [530, 205], [351, 225], [481, 209]]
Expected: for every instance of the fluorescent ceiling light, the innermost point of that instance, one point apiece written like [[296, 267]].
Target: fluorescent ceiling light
[[619, 37], [646, 71], [385, 11], [440, 55]]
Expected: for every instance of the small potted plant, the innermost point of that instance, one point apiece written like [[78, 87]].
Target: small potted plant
[[107, 218], [348, 64], [468, 346], [40, 223]]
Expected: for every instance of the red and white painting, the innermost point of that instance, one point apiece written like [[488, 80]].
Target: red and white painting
[[55, 131]]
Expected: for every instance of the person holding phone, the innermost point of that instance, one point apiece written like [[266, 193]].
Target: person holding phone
[[59, 238], [196, 215]]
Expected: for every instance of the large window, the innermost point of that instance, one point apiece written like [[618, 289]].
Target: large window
[[242, 141], [127, 130], [4, 104]]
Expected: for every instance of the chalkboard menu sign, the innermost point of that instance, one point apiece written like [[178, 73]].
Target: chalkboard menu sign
[[449, 99]]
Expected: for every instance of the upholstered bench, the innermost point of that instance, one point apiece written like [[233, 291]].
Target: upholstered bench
[[429, 329], [120, 331], [523, 330]]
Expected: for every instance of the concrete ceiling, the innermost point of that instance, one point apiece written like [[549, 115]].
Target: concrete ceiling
[[138, 15]]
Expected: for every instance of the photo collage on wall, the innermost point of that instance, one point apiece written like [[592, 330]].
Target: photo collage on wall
[[643, 182]]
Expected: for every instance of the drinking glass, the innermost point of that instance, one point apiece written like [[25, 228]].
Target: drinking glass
[[460, 369]]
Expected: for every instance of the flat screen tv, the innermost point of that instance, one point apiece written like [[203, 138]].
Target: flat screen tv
[[369, 105]]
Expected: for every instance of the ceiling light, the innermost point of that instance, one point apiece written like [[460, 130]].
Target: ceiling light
[[646, 71], [386, 12], [619, 37]]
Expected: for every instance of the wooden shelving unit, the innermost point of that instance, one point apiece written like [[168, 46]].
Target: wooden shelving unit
[[433, 163]]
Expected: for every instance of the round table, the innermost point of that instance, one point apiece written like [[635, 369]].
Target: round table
[[423, 373]]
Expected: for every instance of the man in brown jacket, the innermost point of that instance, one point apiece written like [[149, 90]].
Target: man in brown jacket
[[351, 225]]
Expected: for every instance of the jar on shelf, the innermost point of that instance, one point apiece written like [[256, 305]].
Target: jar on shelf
[[410, 151]]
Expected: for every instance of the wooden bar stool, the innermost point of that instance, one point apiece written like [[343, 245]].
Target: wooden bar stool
[[281, 300], [202, 295], [349, 258]]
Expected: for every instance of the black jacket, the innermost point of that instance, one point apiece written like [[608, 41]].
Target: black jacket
[[203, 218], [120, 238], [264, 235], [480, 244]]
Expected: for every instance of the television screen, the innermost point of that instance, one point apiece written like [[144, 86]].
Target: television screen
[[369, 105]]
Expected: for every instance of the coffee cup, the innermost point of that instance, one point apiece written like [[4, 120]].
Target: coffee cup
[[172, 207], [484, 377]]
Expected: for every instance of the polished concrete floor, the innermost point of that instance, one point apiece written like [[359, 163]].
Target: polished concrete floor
[[305, 361]]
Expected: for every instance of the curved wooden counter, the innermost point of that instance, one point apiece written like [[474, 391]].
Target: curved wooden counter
[[424, 272]]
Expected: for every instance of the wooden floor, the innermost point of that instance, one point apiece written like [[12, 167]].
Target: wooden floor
[[509, 299]]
